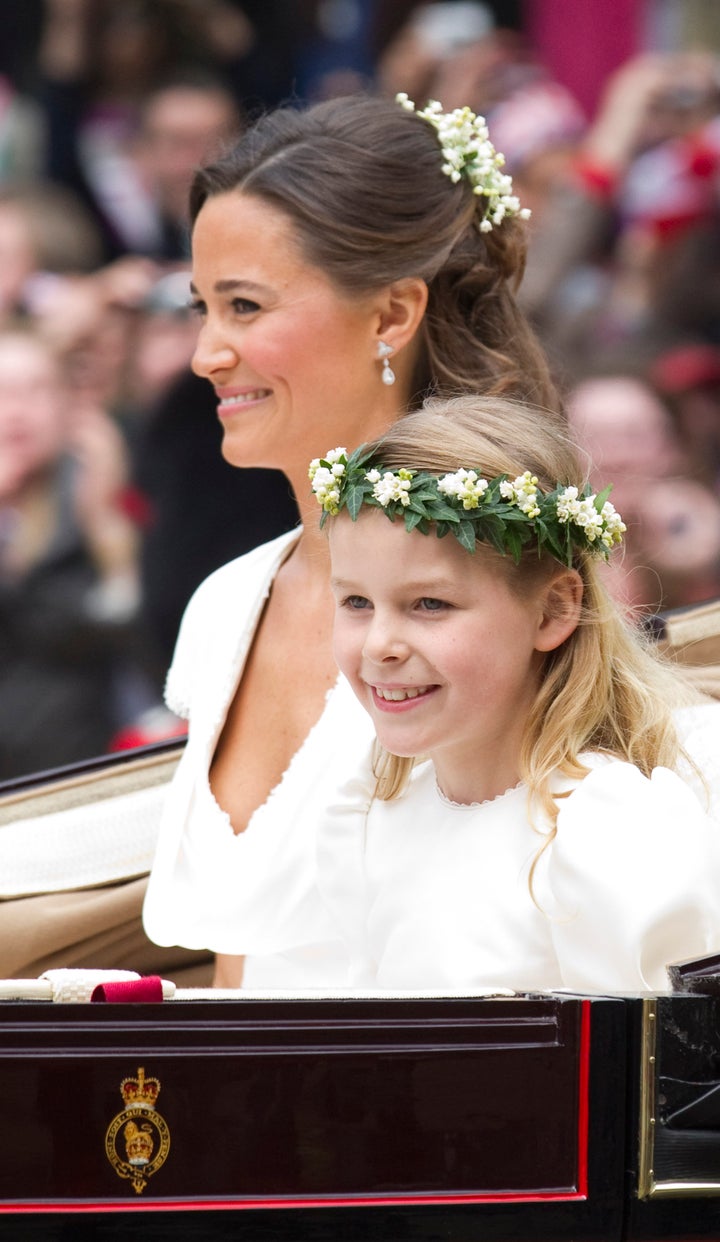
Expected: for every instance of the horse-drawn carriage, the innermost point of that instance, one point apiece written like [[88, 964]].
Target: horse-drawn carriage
[[523, 1117], [252, 1117]]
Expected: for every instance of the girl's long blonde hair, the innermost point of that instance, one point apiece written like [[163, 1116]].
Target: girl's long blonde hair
[[605, 688]]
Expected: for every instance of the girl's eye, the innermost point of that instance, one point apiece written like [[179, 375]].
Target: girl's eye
[[428, 604], [355, 602]]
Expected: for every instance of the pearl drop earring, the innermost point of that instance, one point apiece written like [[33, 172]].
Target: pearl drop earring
[[383, 352]]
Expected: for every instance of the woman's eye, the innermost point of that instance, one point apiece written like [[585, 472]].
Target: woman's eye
[[243, 306], [429, 604], [196, 307]]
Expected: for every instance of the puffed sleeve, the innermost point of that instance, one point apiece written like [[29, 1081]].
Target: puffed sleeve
[[699, 733], [634, 880]]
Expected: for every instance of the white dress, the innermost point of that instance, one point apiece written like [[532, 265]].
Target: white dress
[[434, 895], [254, 893]]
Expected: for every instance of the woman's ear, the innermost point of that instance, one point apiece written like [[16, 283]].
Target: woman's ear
[[560, 603], [403, 305]]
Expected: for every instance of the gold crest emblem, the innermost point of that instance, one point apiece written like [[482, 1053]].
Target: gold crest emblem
[[138, 1140]]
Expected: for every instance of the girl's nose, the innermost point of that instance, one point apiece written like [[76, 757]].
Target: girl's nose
[[384, 640]]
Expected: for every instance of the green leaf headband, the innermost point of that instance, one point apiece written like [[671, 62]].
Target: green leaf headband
[[505, 513], [468, 152]]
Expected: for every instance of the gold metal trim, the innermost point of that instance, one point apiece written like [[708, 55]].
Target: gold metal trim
[[648, 1046], [648, 1186]]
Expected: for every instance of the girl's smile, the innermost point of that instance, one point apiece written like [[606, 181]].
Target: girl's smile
[[440, 648], [399, 698]]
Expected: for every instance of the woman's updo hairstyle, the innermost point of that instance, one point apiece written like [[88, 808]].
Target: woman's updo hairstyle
[[362, 181]]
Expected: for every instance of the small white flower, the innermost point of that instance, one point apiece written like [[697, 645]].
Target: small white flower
[[606, 526], [523, 493], [373, 476], [614, 525], [468, 152], [465, 485], [393, 487], [325, 479], [567, 504]]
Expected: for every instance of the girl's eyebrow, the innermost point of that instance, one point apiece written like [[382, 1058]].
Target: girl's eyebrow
[[424, 586]]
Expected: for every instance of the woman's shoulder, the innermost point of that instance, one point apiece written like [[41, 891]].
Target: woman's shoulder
[[252, 566], [219, 622]]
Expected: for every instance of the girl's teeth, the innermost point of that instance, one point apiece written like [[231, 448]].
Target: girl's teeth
[[397, 696]]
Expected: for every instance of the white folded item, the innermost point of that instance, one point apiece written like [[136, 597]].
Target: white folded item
[[70, 986]]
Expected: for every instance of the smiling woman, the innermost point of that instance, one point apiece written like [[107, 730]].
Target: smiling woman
[[344, 265], [291, 357]]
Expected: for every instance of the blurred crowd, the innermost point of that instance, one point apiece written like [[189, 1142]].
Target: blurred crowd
[[114, 499]]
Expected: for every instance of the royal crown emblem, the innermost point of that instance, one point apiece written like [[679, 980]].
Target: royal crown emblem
[[140, 1090], [137, 1141]]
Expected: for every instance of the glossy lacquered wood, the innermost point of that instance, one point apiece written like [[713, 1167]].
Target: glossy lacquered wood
[[325, 1119]]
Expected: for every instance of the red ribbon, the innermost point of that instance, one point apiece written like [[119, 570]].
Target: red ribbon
[[147, 989]]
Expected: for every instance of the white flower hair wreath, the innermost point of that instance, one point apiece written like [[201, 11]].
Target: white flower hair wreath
[[468, 152]]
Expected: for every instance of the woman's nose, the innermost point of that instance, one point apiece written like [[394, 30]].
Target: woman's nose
[[212, 353]]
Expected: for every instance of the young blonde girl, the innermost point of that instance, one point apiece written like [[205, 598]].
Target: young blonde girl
[[525, 824]]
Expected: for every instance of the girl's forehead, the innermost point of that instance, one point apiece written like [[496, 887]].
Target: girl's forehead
[[374, 542]]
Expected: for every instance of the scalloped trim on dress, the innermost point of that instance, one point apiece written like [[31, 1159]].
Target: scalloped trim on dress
[[273, 793], [470, 806]]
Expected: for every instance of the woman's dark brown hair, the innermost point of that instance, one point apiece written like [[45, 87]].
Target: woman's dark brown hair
[[361, 180]]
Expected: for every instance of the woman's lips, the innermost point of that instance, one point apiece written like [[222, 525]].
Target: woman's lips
[[230, 403]]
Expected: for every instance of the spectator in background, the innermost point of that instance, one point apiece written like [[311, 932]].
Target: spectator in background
[[100, 65], [68, 569], [89, 321], [626, 255], [45, 232], [688, 377], [183, 123], [22, 135], [162, 343], [672, 547], [432, 43]]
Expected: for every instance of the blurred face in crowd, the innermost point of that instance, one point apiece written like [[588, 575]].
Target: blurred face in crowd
[[624, 427], [164, 346], [184, 126], [32, 409], [17, 256]]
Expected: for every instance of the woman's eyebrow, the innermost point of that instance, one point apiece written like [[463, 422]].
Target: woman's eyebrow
[[232, 284]]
